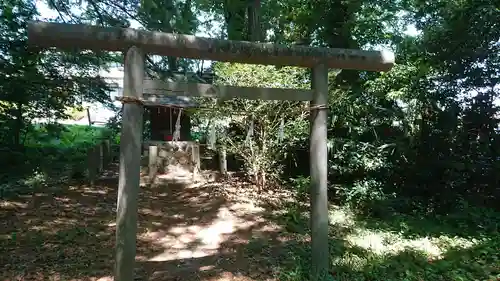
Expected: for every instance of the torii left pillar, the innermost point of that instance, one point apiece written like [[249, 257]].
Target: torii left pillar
[[319, 174], [130, 161]]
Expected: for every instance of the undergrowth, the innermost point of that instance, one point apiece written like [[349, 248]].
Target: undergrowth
[[49, 154], [461, 245]]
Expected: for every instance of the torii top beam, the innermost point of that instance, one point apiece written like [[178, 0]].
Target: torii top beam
[[71, 36]]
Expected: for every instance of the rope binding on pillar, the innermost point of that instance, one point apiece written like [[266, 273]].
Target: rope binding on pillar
[[127, 99], [319, 107]]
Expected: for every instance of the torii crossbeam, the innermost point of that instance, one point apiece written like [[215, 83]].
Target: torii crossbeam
[[72, 36], [135, 43]]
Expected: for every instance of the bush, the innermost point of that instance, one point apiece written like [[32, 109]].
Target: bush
[[301, 186], [50, 152]]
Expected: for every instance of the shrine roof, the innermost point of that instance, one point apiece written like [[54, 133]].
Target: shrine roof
[[152, 100]]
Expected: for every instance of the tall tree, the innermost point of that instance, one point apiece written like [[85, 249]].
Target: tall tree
[[40, 84]]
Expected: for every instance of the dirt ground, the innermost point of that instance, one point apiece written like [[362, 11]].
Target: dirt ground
[[192, 232]]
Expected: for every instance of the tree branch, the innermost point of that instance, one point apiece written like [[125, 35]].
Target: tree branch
[[96, 9]]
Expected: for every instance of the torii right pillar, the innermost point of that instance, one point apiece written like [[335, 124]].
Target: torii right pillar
[[319, 173]]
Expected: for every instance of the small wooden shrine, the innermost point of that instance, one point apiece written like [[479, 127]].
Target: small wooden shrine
[[170, 152], [165, 112]]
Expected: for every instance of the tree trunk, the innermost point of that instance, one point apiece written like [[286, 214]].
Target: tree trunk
[[235, 11], [254, 30]]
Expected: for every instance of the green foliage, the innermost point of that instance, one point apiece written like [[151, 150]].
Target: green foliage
[[422, 131], [462, 245], [427, 129], [418, 141], [51, 152], [65, 135], [39, 84], [264, 152], [362, 193], [301, 186]]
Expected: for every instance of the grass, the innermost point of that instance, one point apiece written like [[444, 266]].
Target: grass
[[62, 136], [385, 245], [462, 245], [51, 152], [69, 233]]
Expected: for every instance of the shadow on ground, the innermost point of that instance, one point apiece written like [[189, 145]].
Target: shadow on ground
[[415, 221], [350, 262], [395, 246], [184, 233], [205, 232]]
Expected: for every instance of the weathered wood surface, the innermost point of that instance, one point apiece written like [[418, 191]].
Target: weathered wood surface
[[153, 160], [71, 36], [196, 159], [92, 165], [319, 173], [153, 88], [106, 152], [130, 164], [100, 157], [223, 160]]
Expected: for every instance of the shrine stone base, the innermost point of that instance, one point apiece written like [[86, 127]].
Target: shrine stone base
[[170, 161]]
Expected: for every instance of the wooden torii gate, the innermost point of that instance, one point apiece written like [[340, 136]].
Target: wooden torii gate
[[136, 43]]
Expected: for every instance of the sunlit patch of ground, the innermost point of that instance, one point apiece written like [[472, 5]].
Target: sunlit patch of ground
[[184, 241], [215, 231], [186, 232], [402, 247], [384, 242]]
